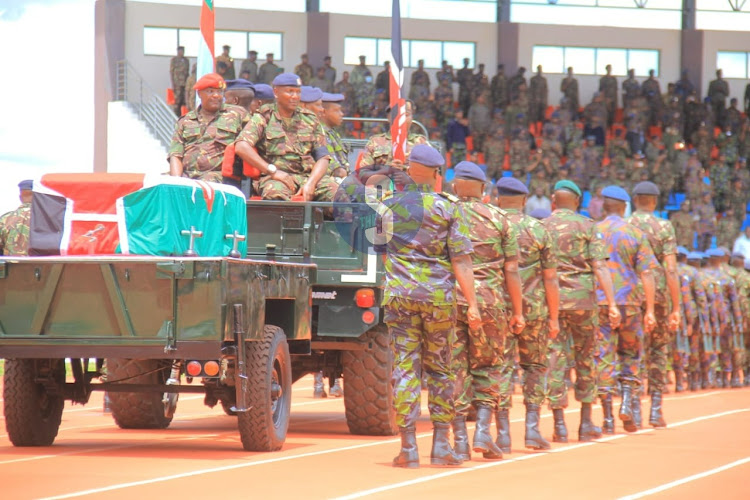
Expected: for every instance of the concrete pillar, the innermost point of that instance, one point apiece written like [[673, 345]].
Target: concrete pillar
[[109, 47], [692, 49], [318, 36], [507, 46]]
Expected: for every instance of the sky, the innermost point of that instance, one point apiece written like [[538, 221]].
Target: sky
[[47, 91]]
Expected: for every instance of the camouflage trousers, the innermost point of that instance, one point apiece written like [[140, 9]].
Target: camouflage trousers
[[532, 344], [726, 356], [679, 353], [179, 99], [458, 154], [655, 349], [270, 189], [582, 327], [696, 347], [422, 336], [619, 351], [477, 359]]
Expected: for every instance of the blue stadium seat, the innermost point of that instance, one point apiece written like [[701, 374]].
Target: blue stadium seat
[[586, 199], [449, 175], [584, 212], [679, 198], [507, 173]]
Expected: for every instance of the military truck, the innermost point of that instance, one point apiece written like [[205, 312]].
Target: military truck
[[238, 330]]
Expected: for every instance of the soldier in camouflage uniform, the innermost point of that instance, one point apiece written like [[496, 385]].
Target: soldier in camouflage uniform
[[631, 264], [608, 88], [718, 91], [661, 237], [631, 89], [268, 70], [541, 299], [420, 82], [288, 145], [499, 88], [705, 215], [332, 118], [684, 225], [727, 229], [477, 355], [179, 68], [14, 225], [742, 284], [519, 152], [580, 257], [680, 346], [538, 94], [304, 70], [720, 175], [494, 151], [708, 323], [250, 66], [423, 265], [229, 61], [202, 135]]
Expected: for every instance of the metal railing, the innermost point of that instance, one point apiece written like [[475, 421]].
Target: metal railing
[[147, 104]]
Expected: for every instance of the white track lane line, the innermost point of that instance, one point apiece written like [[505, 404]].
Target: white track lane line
[[686, 480], [360, 494]]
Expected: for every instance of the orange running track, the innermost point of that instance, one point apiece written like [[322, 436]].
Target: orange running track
[[704, 453]]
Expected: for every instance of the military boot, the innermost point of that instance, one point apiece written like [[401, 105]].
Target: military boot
[[461, 438], [534, 439], [626, 409], [746, 379], [336, 390], [408, 457], [318, 389], [678, 382], [725, 378], [502, 421], [482, 438], [705, 379], [609, 419], [719, 380], [637, 413], [656, 419], [694, 379], [560, 434], [442, 453], [735, 383], [586, 429]]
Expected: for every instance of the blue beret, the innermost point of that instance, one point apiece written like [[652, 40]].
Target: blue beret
[[747, 264], [738, 255], [715, 252], [510, 186], [615, 193], [725, 250], [647, 188], [470, 171], [26, 185], [568, 185], [310, 94], [540, 213], [682, 250], [287, 80], [695, 255], [333, 97], [239, 84], [555, 114], [264, 92], [426, 155]]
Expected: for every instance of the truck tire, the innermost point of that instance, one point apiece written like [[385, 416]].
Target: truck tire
[[32, 415], [138, 410], [368, 388], [269, 392]]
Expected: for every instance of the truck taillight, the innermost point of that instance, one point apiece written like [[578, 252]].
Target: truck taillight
[[368, 317], [211, 368], [365, 297], [193, 368]]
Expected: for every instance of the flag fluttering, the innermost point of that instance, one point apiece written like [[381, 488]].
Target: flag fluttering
[[206, 59]]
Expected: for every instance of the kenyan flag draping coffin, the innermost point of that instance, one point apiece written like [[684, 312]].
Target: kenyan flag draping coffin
[[104, 214]]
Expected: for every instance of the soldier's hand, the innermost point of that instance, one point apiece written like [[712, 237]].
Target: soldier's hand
[[554, 328], [614, 316], [517, 323], [284, 178], [674, 321], [649, 322], [474, 318], [399, 176], [307, 191]]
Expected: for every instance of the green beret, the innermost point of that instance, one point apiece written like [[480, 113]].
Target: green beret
[[568, 185]]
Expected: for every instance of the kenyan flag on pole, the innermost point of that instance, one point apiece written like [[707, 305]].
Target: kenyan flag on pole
[[206, 48]]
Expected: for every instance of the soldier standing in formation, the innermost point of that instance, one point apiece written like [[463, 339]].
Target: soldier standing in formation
[[250, 66], [423, 266], [477, 355], [14, 225], [179, 68], [229, 61], [268, 70], [537, 267], [608, 88], [569, 88], [538, 94], [304, 70], [718, 91], [580, 258]]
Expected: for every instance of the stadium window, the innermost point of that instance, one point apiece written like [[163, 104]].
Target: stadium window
[[428, 51], [617, 58], [550, 58], [237, 41], [190, 39], [732, 64], [593, 61], [378, 50], [582, 60], [384, 51], [265, 43], [642, 61], [160, 41], [356, 46], [456, 52]]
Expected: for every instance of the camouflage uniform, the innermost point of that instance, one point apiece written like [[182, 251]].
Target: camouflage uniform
[[608, 87], [718, 91], [189, 83], [267, 72], [684, 228], [293, 147], [727, 230], [537, 254], [703, 323], [631, 89], [742, 284], [201, 144], [706, 226], [537, 98], [732, 317], [250, 67], [494, 154], [338, 151], [499, 88], [305, 73], [519, 154], [578, 247], [14, 231], [629, 256], [477, 355], [364, 88], [420, 85], [179, 69], [229, 61], [379, 149], [419, 300], [709, 340], [661, 237], [680, 347], [569, 88]]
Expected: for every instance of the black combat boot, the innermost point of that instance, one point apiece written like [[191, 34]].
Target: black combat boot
[[461, 438], [678, 382], [502, 421], [560, 434], [608, 427], [442, 453], [587, 430], [482, 438], [735, 383], [656, 419], [318, 388], [408, 457], [626, 409], [534, 439], [746, 379], [635, 404]]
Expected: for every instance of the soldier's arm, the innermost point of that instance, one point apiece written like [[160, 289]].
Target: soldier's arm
[[673, 285], [552, 292], [736, 310], [647, 279], [604, 277], [513, 285], [176, 151], [464, 272]]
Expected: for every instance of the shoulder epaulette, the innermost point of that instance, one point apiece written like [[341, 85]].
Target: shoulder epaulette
[[450, 197]]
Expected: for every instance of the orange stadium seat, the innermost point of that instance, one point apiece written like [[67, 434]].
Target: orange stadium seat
[[170, 97]]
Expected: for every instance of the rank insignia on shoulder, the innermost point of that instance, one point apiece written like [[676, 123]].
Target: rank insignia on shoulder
[[450, 197]]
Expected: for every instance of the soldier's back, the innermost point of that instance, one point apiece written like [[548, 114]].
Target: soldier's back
[[14, 231]]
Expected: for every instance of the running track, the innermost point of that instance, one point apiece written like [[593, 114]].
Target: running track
[[704, 453]]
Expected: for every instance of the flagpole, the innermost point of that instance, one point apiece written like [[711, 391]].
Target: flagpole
[[206, 58], [397, 103]]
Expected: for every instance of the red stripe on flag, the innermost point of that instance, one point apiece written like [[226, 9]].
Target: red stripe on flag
[[397, 103], [207, 26]]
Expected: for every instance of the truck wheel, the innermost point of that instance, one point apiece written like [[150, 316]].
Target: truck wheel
[[368, 388], [269, 392], [32, 415], [138, 410]]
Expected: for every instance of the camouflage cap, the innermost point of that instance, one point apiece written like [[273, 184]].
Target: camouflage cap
[[568, 185]]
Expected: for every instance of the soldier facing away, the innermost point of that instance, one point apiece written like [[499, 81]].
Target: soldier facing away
[[179, 68], [14, 225]]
